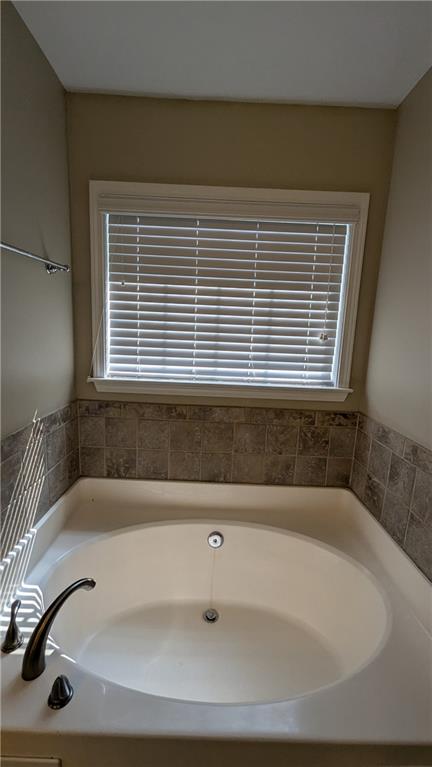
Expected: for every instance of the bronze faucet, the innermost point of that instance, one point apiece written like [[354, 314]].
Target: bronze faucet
[[34, 656]]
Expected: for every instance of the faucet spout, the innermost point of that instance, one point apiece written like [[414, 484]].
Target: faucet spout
[[34, 656]]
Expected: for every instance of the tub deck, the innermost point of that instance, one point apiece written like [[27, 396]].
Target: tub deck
[[381, 715]]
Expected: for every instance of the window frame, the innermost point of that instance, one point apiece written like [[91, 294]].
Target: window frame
[[141, 198]]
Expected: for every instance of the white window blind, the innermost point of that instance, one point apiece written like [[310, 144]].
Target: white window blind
[[226, 301]]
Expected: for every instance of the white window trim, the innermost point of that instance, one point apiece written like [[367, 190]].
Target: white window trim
[[340, 207]]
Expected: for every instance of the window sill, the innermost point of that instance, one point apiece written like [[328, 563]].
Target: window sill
[[317, 394]]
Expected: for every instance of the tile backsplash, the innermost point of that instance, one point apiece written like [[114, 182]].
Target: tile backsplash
[[216, 444], [38, 464], [391, 474]]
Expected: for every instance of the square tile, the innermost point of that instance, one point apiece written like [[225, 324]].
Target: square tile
[[394, 517], [58, 481], [120, 432], [342, 442], [365, 424], [95, 407], [52, 421], [279, 469], [5, 516], [379, 462], [249, 438], [419, 456], [401, 479], [362, 448], [217, 437], [199, 413], [218, 414], [262, 415], [390, 438], [71, 435], [68, 412], [61, 477], [226, 414], [358, 479], [280, 416], [338, 472], [121, 462], [282, 439], [141, 410], [216, 467], [152, 464], [174, 412], [42, 499], [154, 411], [383, 434], [33, 465], [185, 435], [418, 544], [309, 418], [92, 461], [16, 442], [184, 465], [331, 418], [56, 446], [314, 441], [373, 496], [421, 503], [153, 435], [310, 470], [7, 494], [248, 468], [73, 466], [10, 476], [92, 431]]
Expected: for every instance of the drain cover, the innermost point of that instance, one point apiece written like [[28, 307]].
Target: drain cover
[[210, 615], [215, 539]]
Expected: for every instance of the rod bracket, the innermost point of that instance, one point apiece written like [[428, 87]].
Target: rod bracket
[[53, 269]]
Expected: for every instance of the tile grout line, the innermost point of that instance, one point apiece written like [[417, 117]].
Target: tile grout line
[[169, 450], [104, 446], [299, 427], [410, 510], [327, 457], [135, 475], [201, 449], [232, 453]]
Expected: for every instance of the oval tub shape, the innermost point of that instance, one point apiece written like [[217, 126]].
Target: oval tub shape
[[292, 614]]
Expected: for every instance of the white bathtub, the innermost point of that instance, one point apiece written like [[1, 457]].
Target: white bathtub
[[293, 615], [324, 633]]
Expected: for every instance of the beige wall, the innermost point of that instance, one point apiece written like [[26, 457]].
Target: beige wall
[[37, 342], [399, 380], [231, 144]]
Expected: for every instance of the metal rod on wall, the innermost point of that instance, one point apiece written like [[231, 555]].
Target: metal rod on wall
[[51, 266]]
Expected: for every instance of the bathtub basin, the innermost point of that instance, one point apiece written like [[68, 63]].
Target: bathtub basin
[[294, 615]]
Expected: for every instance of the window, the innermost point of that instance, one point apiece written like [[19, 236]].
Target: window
[[224, 291]]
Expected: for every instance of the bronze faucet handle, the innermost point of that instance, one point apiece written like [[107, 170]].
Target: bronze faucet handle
[[14, 637], [61, 693]]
